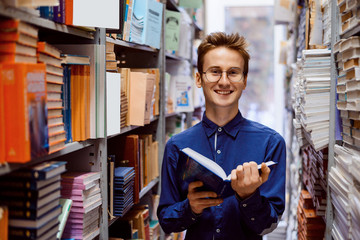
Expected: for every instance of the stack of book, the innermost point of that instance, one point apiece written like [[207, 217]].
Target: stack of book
[[345, 193], [111, 62], [348, 88], [310, 226], [349, 15], [50, 56], [18, 41], [314, 177], [84, 191], [123, 190], [32, 196], [314, 94], [124, 101]]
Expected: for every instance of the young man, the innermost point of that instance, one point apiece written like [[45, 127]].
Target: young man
[[238, 145]]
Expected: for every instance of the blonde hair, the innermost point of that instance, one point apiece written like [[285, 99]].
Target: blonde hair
[[220, 39]]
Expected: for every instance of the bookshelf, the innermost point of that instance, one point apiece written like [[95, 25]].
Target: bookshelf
[[91, 154]]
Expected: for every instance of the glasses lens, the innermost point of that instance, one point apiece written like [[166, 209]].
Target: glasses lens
[[235, 74], [213, 74]]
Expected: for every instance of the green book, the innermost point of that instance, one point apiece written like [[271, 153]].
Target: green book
[[66, 206]]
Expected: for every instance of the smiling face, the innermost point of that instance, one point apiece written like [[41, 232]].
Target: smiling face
[[223, 94]]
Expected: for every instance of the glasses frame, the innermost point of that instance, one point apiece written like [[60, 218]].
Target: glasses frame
[[227, 75]]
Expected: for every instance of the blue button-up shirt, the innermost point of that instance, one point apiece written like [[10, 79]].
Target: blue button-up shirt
[[239, 141]]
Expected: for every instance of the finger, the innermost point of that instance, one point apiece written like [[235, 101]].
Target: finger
[[205, 194], [265, 172], [233, 175], [240, 173], [247, 171], [254, 172], [194, 185], [204, 203]]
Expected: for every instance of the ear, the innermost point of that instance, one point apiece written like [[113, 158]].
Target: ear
[[245, 81], [198, 80]]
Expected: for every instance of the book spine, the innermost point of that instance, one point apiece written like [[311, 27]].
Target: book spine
[[69, 12], [66, 206]]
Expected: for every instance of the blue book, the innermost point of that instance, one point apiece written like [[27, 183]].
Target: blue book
[[214, 178], [41, 171], [67, 102]]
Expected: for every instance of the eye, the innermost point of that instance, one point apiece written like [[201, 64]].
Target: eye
[[234, 72], [214, 71]]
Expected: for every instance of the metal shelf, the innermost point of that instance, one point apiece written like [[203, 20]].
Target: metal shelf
[[131, 45], [69, 148], [17, 13], [143, 192]]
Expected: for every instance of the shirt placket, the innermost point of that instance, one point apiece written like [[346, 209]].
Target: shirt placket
[[218, 146]]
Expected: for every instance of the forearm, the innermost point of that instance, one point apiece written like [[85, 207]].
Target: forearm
[[176, 217]]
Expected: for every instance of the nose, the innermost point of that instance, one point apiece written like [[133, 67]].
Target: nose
[[224, 78]]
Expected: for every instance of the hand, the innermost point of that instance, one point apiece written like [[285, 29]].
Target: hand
[[245, 179], [199, 200]]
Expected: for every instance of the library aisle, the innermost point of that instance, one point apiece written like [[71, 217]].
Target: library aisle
[[91, 91]]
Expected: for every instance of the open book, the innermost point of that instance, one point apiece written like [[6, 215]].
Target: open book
[[201, 168]]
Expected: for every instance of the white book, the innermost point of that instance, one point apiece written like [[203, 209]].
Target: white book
[[113, 93]]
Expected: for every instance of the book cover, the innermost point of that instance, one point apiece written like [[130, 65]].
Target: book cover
[[4, 222], [53, 213], [16, 36], [80, 177], [201, 168], [26, 124], [25, 233], [20, 26], [113, 85], [2, 122], [13, 182], [65, 210], [16, 48], [42, 171], [26, 213]]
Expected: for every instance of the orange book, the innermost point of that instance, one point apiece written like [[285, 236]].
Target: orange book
[[16, 48], [69, 8], [20, 26], [2, 123], [4, 222], [17, 58], [19, 37], [48, 49], [87, 101], [26, 130]]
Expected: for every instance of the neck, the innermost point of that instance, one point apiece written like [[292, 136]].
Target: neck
[[221, 116]]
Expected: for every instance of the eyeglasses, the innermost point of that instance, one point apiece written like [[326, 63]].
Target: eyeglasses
[[233, 74]]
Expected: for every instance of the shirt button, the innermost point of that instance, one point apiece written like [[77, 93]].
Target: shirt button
[[219, 129], [218, 151], [218, 230], [244, 205], [193, 219], [252, 219]]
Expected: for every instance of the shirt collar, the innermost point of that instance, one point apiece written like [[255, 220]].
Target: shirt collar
[[231, 128]]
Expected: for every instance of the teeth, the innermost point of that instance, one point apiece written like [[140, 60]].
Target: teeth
[[223, 92]]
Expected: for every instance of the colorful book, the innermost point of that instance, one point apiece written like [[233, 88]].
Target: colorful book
[[26, 124], [80, 177], [214, 178], [25, 233], [20, 26], [42, 171], [2, 122], [65, 210]]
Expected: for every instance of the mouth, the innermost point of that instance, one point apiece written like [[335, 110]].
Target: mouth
[[223, 92]]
